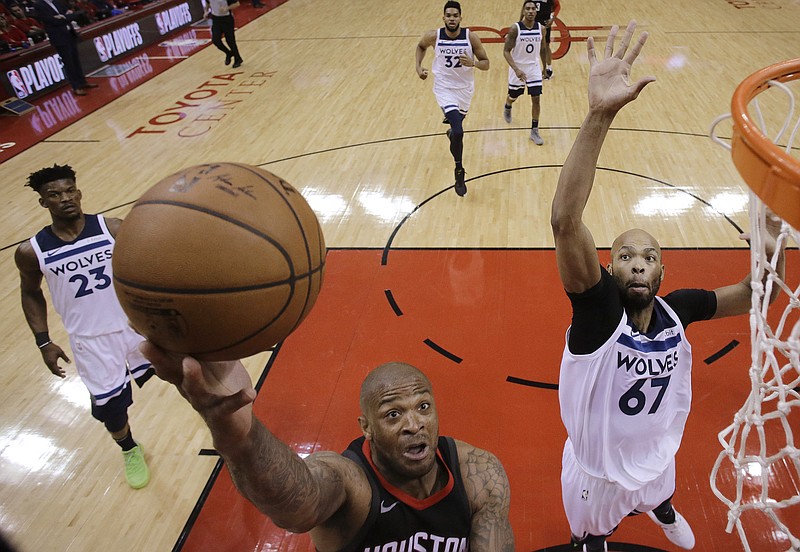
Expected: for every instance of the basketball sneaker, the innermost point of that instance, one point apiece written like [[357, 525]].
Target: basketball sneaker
[[605, 547], [461, 187], [507, 113], [679, 533], [136, 471], [535, 137]]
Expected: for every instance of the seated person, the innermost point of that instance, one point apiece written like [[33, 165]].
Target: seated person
[[10, 34], [79, 15], [28, 25], [104, 9]]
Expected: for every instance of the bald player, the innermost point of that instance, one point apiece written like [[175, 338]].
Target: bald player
[[398, 486], [625, 383]]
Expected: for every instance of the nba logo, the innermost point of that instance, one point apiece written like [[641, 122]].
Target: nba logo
[[19, 86], [100, 46]]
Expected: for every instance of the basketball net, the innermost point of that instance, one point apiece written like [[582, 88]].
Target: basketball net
[[760, 447]]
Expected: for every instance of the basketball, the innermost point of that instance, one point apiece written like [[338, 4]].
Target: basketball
[[219, 261]]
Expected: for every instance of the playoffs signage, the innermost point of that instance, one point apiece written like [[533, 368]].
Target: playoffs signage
[[30, 79], [37, 75]]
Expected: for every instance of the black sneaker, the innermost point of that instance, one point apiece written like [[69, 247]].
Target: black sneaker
[[461, 187]]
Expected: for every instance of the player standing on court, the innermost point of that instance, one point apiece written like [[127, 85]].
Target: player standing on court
[[74, 256], [523, 51], [546, 14], [456, 52], [625, 382]]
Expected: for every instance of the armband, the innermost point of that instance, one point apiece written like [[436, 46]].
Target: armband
[[42, 339]]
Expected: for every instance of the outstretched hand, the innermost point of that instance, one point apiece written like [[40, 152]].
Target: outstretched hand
[[221, 392], [609, 80]]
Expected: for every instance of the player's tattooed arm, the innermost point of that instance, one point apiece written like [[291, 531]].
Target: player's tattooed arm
[[298, 494], [489, 494], [326, 493]]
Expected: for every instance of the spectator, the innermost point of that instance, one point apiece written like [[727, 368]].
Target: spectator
[[12, 35], [28, 25], [79, 15], [104, 9]]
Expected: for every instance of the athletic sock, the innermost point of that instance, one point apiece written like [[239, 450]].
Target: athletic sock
[[665, 515], [534, 123], [127, 442]]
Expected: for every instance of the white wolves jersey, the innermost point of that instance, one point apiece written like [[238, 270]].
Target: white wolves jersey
[[447, 69], [526, 53], [78, 275], [625, 405]]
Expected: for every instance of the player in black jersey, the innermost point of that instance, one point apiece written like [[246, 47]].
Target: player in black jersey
[[400, 486], [546, 14]]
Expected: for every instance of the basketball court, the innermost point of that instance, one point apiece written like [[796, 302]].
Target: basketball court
[[464, 288]]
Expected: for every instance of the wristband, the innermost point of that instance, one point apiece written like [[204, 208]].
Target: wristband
[[42, 339]]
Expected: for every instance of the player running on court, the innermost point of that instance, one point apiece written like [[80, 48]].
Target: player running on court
[[523, 53], [456, 52]]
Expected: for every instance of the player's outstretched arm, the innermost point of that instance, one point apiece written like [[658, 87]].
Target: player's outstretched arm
[[298, 495], [489, 494], [609, 91]]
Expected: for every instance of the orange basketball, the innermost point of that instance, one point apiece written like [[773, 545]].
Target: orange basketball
[[220, 261]]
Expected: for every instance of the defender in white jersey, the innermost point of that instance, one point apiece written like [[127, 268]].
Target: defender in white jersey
[[625, 382], [74, 255], [523, 53], [456, 53]]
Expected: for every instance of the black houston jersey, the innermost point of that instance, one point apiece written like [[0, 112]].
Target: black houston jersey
[[398, 522]]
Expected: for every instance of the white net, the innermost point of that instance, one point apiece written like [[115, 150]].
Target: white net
[[758, 471]]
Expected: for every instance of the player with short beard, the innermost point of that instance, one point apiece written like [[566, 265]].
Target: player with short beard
[[625, 382], [399, 486]]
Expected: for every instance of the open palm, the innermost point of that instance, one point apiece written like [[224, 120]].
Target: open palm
[[609, 80]]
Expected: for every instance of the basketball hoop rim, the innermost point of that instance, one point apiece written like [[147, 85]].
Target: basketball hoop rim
[[772, 174]]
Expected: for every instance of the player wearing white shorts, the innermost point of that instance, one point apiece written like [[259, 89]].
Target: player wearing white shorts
[[522, 51], [456, 53], [73, 254], [625, 381]]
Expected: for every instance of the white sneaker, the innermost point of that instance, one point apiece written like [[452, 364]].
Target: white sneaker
[[507, 114], [605, 547], [678, 533], [535, 137]]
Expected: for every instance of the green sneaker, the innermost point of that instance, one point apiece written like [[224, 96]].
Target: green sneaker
[[136, 471]]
